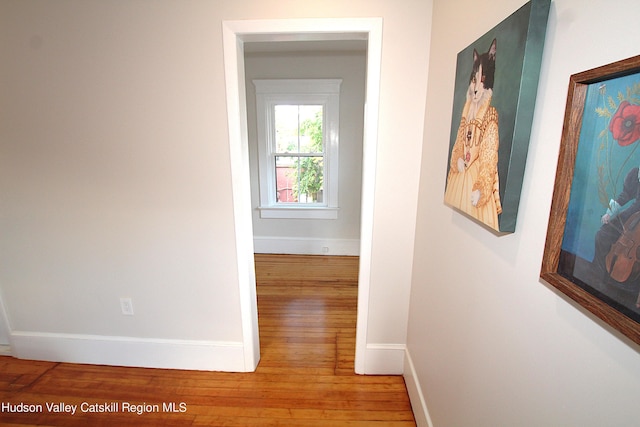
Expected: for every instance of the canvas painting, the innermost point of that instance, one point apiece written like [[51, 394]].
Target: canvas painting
[[494, 99]]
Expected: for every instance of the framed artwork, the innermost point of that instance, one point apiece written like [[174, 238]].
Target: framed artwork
[[494, 98], [592, 251]]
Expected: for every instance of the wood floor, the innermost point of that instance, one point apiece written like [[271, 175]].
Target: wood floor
[[307, 316]]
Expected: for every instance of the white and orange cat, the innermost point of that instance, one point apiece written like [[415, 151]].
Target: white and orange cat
[[472, 181]]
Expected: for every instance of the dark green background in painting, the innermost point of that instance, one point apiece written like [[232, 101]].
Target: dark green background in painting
[[520, 42], [585, 208]]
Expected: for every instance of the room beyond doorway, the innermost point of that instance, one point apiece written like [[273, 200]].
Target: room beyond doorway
[[275, 77], [235, 35]]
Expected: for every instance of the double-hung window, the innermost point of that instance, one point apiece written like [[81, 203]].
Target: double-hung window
[[297, 124]]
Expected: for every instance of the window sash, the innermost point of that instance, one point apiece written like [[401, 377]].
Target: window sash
[[269, 94]]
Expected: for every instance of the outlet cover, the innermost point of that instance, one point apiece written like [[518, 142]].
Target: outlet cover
[[126, 304]]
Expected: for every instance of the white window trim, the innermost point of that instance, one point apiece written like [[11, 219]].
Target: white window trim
[[271, 92]]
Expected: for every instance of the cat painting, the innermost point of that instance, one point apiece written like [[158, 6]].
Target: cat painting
[[472, 180]]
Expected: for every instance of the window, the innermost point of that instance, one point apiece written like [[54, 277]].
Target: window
[[298, 147]]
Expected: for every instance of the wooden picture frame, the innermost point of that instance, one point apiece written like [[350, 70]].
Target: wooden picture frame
[[584, 256]]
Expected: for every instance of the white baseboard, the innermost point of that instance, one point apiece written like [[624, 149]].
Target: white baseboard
[[418, 404], [384, 359], [127, 351], [306, 246], [5, 350]]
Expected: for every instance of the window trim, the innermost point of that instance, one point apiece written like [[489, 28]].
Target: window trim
[[272, 92]]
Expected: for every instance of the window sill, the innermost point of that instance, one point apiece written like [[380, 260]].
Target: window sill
[[295, 212]]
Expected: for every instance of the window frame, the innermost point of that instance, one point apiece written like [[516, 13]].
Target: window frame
[[272, 92]]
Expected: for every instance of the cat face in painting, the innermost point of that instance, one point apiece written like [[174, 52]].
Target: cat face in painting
[[484, 67]]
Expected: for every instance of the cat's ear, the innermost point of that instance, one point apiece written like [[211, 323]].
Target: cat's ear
[[492, 49], [475, 55]]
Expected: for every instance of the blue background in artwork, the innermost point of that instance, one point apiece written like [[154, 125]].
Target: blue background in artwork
[[585, 208]]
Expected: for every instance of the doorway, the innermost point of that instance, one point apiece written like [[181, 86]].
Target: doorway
[[235, 35]]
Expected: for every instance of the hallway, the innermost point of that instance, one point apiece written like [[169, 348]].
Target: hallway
[[307, 315]]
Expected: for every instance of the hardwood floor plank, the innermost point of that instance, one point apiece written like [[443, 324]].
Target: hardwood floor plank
[[307, 317]]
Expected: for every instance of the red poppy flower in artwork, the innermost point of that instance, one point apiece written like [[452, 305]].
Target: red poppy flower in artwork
[[625, 124]]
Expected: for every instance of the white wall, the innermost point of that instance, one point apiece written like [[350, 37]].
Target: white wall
[[4, 328], [115, 177], [491, 344], [340, 236]]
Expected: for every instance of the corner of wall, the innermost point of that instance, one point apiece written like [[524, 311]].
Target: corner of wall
[[418, 403], [5, 328]]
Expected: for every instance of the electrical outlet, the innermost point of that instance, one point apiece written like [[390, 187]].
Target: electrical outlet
[[126, 304]]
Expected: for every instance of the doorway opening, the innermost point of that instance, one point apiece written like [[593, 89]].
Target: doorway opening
[[235, 35]]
